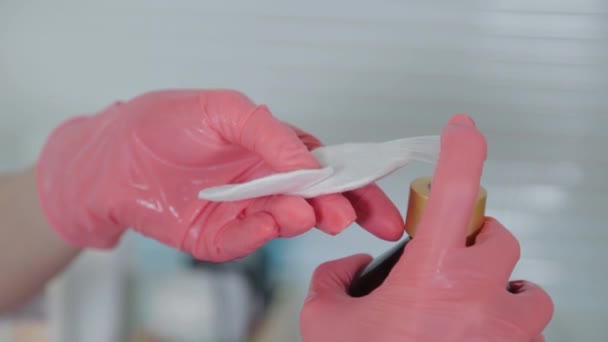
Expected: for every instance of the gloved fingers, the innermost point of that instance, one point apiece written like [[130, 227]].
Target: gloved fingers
[[376, 213], [293, 215], [275, 142], [332, 278], [529, 306], [333, 213], [455, 186], [237, 238], [496, 250]]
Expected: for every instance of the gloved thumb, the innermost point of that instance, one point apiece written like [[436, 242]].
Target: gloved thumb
[[275, 142], [328, 301], [334, 277]]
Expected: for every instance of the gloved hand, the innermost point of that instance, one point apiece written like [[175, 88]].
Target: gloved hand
[[140, 164], [440, 290]]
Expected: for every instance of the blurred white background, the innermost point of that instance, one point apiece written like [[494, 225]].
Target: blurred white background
[[533, 73]]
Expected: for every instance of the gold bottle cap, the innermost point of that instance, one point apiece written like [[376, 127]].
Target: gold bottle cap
[[419, 194]]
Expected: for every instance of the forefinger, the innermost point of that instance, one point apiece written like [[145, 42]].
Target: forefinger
[[455, 185], [376, 213]]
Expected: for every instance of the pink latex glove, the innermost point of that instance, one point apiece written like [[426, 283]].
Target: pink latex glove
[[140, 164], [440, 290]]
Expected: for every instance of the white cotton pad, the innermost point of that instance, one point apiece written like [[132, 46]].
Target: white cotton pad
[[344, 167]]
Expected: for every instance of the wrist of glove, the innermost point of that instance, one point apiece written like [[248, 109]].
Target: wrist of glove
[[72, 174]]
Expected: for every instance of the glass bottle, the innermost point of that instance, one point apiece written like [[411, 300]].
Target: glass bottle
[[374, 274]]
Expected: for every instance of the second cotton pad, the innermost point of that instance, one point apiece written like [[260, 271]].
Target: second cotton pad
[[344, 167]]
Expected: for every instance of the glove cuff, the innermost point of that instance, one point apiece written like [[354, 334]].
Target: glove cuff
[[68, 176]]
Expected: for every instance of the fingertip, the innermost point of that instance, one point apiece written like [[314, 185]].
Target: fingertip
[[456, 184], [462, 119], [333, 213], [293, 214], [350, 263], [336, 275], [464, 142], [388, 228], [498, 238], [389, 231], [535, 302], [376, 213], [359, 261]]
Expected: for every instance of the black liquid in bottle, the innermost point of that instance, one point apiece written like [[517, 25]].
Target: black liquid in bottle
[[375, 272]]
